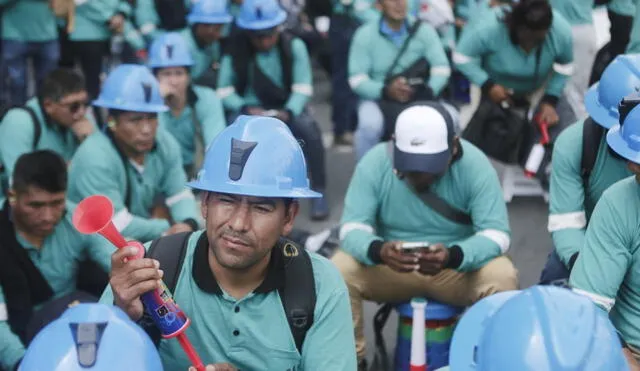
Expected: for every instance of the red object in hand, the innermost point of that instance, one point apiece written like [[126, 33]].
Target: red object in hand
[[543, 126], [538, 151]]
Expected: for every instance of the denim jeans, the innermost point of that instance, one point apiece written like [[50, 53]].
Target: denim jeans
[[343, 99], [554, 271], [370, 127], [45, 57]]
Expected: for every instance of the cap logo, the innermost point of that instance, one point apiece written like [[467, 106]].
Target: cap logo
[[170, 51], [417, 142], [146, 89]]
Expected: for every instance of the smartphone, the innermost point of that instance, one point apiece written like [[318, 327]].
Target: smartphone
[[414, 247]]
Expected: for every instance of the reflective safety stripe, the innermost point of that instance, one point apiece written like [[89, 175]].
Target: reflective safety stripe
[[186, 194], [501, 238], [147, 28], [603, 301], [122, 219], [304, 89], [225, 92], [460, 58], [563, 69], [348, 227], [355, 81], [4, 315], [440, 71], [575, 220]]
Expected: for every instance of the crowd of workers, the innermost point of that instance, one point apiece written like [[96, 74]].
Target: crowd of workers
[[193, 118]]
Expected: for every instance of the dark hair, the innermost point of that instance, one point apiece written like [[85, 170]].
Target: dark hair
[[42, 169], [533, 14], [60, 83]]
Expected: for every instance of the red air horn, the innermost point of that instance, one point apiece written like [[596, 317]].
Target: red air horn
[[93, 215]]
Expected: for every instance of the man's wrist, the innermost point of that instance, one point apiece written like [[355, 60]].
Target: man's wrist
[[375, 249], [551, 100], [455, 257]]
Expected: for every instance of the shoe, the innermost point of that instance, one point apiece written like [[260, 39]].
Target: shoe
[[319, 208], [324, 243]]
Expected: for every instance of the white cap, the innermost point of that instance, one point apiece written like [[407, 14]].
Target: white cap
[[423, 138]]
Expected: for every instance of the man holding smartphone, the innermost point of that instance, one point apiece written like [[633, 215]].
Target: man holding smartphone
[[429, 187]]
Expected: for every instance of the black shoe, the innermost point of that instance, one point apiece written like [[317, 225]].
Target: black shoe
[[319, 208]]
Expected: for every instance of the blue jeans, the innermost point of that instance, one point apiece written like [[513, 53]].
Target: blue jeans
[[554, 271], [343, 99], [45, 57], [370, 127]]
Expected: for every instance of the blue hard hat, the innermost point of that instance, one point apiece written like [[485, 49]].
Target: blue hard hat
[[170, 50], [619, 79], [92, 336], [260, 15], [543, 328], [210, 12], [133, 88], [255, 156], [625, 139]]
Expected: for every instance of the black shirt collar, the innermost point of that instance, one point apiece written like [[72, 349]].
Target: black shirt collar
[[206, 281]]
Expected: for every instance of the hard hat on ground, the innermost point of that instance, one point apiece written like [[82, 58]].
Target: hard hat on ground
[[255, 156], [132, 88], [170, 50], [258, 15], [619, 79], [543, 328], [210, 12], [95, 337], [625, 139]]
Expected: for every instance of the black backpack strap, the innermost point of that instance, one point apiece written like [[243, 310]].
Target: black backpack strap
[[591, 136], [298, 293], [286, 58], [166, 251], [412, 32], [37, 130]]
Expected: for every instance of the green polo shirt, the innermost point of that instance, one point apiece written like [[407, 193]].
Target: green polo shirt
[[252, 333], [57, 260]]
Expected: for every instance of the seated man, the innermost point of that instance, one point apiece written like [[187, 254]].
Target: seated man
[[238, 274], [577, 185], [394, 61], [268, 73], [196, 115], [40, 253], [55, 119], [429, 187], [135, 164], [607, 269]]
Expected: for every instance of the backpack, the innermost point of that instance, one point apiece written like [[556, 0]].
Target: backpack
[[298, 295], [591, 136], [37, 130]]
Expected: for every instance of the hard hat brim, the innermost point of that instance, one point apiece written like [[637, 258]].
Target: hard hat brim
[[192, 19], [254, 191], [620, 146], [469, 330], [147, 108], [599, 113], [262, 25], [168, 65]]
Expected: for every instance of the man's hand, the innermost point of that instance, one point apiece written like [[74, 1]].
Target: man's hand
[[178, 228], [393, 256], [283, 115], [166, 90], [499, 94], [433, 260], [160, 211], [116, 23], [399, 90], [82, 129], [631, 360], [217, 367], [130, 279], [548, 113]]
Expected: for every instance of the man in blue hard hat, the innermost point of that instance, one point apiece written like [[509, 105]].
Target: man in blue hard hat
[[135, 163], [540, 328], [267, 72], [236, 276], [195, 113], [584, 166], [92, 337], [607, 269]]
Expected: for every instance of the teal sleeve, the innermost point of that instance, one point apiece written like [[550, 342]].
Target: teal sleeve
[[133, 37], [563, 64], [605, 258], [302, 88], [360, 67], [332, 320], [99, 250], [147, 19], [100, 11], [462, 9], [634, 41], [180, 200], [226, 91], [11, 348], [437, 58], [368, 15], [361, 204], [100, 177], [16, 137], [210, 115], [490, 220], [473, 45], [125, 8], [567, 219]]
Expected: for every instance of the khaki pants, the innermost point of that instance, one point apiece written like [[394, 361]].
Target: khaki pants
[[382, 284]]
